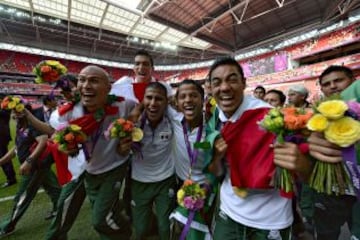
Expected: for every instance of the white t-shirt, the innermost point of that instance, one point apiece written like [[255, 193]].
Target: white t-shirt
[[182, 159], [124, 88], [157, 161], [104, 156], [264, 209]]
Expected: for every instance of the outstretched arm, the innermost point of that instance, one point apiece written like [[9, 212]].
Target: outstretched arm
[[41, 126], [26, 166]]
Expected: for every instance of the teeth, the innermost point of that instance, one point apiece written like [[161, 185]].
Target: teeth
[[226, 97]]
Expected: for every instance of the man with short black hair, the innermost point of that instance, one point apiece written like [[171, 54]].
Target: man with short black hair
[[238, 151], [259, 92], [134, 88], [336, 209]]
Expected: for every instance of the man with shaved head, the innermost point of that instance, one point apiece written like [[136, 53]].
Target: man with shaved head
[[101, 163]]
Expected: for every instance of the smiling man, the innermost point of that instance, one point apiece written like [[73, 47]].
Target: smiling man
[[106, 160], [263, 213], [152, 174], [335, 79], [343, 208]]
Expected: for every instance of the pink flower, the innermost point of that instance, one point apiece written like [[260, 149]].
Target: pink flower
[[199, 204], [354, 107], [192, 203], [188, 202]]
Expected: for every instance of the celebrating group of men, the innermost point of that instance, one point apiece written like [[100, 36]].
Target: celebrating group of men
[[167, 157]]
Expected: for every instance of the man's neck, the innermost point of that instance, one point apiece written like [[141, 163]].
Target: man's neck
[[92, 109], [143, 81], [195, 122], [154, 124]]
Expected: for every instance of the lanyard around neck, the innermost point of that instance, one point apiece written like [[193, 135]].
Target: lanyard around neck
[[192, 153]]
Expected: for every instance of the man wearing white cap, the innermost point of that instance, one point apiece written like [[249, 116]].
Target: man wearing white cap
[[297, 95]]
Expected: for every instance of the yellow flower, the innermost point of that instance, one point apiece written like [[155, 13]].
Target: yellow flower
[[203, 193], [16, 100], [272, 124], [19, 107], [333, 109], [12, 105], [274, 112], [113, 132], [343, 132], [212, 101], [52, 63], [317, 123], [180, 196], [75, 128]]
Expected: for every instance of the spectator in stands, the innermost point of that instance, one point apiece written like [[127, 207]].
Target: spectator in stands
[[262, 214], [275, 98], [259, 92], [34, 173], [5, 138], [297, 95], [332, 211]]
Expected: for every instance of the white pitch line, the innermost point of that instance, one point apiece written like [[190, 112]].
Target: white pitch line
[[4, 199]]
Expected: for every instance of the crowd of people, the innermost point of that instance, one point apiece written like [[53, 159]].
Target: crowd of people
[[184, 142]]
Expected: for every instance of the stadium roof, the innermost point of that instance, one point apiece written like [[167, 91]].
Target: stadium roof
[[173, 31]]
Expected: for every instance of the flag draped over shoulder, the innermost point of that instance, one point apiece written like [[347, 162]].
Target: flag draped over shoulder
[[127, 88], [249, 155], [89, 123]]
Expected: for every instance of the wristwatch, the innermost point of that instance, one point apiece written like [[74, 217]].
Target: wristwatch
[[29, 160]]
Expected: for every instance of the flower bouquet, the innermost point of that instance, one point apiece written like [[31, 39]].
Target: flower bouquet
[[339, 121], [192, 200], [124, 128], [13, 103], [48, 71], [288, 124], [191, 196], [69, 138]]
